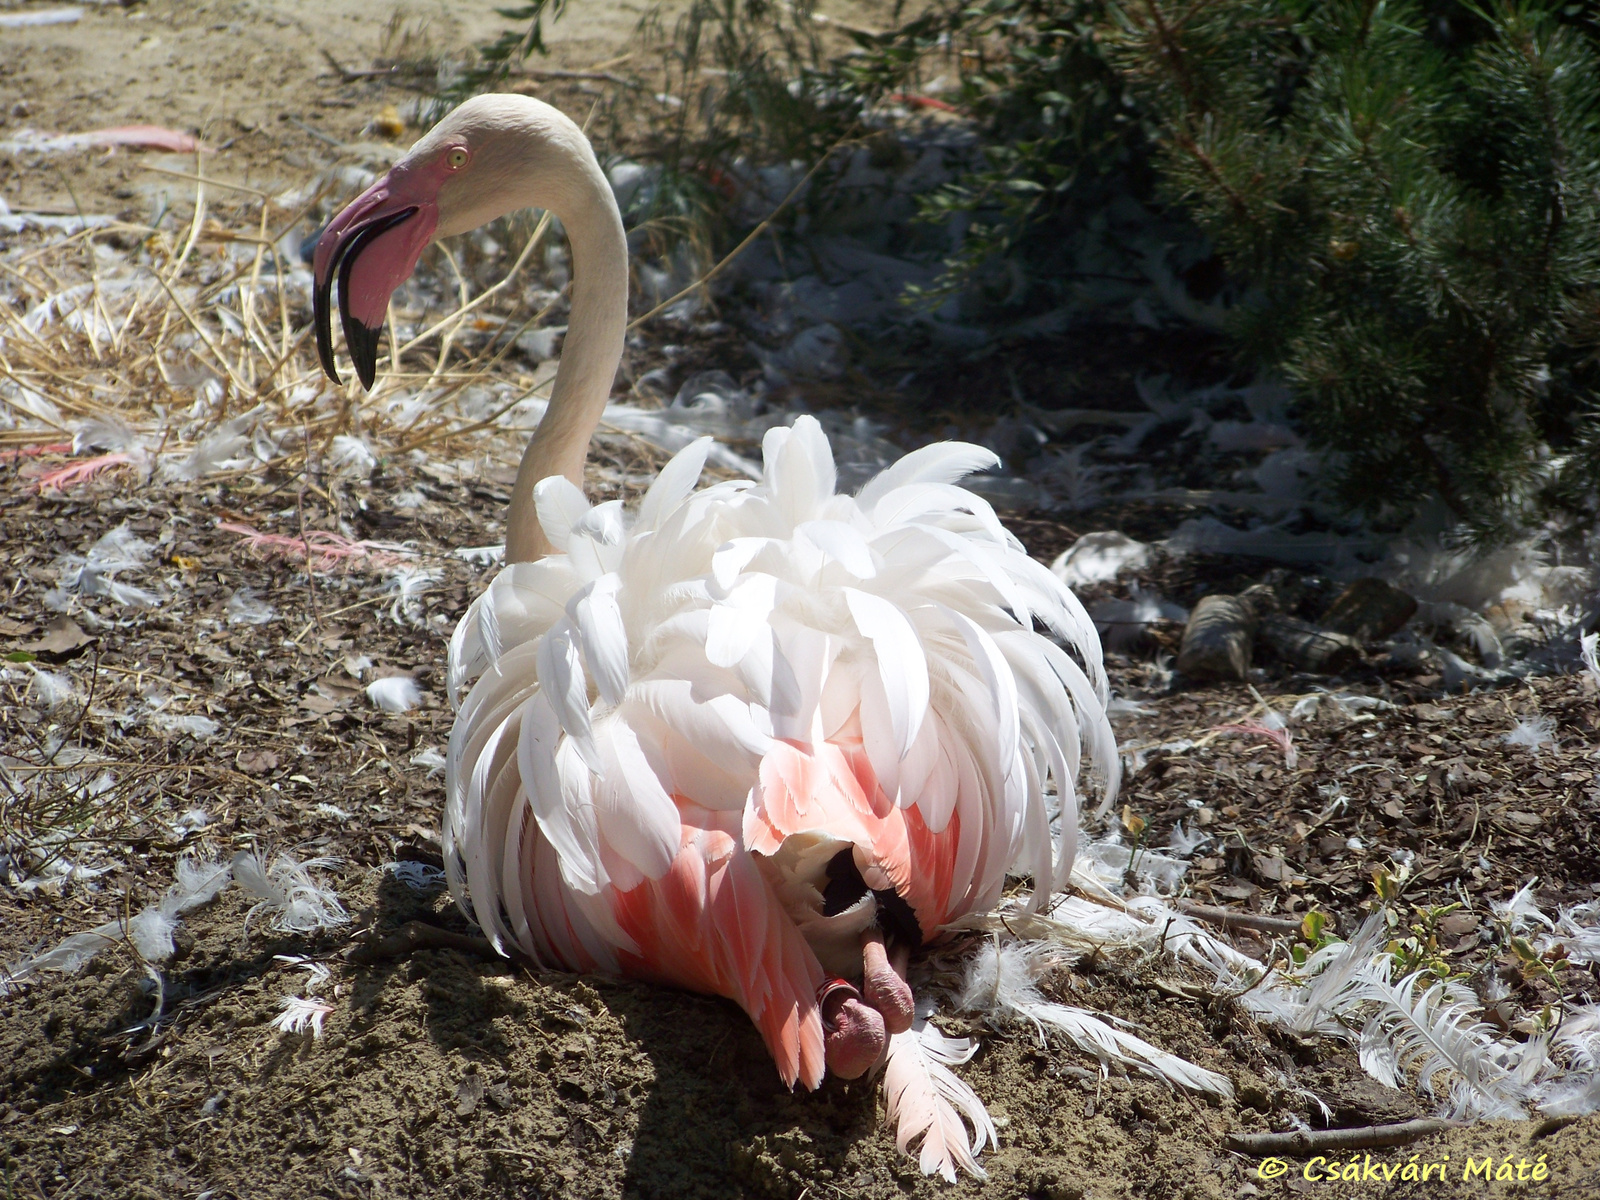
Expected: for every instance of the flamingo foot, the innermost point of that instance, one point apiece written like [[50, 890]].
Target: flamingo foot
[[883, 985], [853, 1033]]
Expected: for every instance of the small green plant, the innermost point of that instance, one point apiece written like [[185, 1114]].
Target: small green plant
[[1409, 190], [1419, 948], [1415, 942], [1535, 965], [1314, 936]]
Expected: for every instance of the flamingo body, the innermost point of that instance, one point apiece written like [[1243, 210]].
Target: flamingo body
[[750, 738], [679, 721]]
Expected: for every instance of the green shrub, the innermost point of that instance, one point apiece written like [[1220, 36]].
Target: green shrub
[[1060, 139], [1414, 195], [1406, 195]]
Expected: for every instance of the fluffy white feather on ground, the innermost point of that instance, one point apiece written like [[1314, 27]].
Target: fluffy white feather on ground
[[300, 1014], [394, 693], [245, 607], [1002, 985], [1533, 732], [1097, 557], [297, 902], [430, 758], [1589, 650], [149, 930], [1409, 1033], [51, 687]]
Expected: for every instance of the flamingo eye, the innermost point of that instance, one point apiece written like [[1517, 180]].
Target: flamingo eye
[[456, 159]]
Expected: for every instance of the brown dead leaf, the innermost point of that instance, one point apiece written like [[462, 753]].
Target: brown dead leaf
[[10, 628], [429, 837], [1271, 868], [339, 687], [258, 762], [1521, 822], [63, 639], [1458, 923]]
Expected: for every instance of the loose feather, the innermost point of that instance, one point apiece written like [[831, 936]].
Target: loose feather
[[927, 1101], [1001, 984]]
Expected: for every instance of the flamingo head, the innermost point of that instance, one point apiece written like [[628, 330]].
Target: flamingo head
[[489, 157]]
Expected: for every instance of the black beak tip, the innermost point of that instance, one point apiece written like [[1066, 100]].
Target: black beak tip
[[323, 304], [361, 342]]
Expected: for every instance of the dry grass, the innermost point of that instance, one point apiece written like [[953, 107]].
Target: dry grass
[[167, 334]]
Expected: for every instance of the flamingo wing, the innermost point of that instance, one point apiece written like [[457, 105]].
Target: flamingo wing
[[671, 734]]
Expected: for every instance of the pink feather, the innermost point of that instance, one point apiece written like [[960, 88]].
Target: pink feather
[[35, 451], [1282, 738], [927, 1101], [78, 472], [322, 549]]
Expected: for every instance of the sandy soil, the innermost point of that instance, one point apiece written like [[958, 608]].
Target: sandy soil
[[254, 78]]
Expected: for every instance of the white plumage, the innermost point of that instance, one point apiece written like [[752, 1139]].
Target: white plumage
[[648, 688]]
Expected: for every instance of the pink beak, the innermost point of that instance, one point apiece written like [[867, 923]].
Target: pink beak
[[374, 245]]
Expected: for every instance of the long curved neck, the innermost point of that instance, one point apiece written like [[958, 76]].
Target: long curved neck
[[589, 355]]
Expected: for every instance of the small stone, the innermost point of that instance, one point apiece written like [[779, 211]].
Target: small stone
[[469, 1094], [1369, 610], [1216, 641]]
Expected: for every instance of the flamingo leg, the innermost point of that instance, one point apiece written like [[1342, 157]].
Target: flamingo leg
[[883, 987], [853, 1032]]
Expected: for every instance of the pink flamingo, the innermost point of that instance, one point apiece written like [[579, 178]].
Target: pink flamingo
[[759, 739]]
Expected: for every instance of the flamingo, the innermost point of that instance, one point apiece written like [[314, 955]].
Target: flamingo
[[759, 739]]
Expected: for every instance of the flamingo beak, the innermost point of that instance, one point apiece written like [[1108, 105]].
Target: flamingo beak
[[373, 246]]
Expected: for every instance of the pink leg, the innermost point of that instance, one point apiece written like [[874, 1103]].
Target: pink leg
[[852, 1032], [884, 985]]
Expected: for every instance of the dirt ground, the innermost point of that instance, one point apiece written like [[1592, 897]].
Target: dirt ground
[[257, 79], [453, 1074], [449, 1073], [274, 87]]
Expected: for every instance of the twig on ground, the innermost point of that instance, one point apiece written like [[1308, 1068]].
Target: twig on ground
[[413, 936], [1228, 919], [311, 575], [318, 134], [1301, 1142]]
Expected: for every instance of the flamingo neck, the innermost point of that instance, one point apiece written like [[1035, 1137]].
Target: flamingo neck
[[589, 355]]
